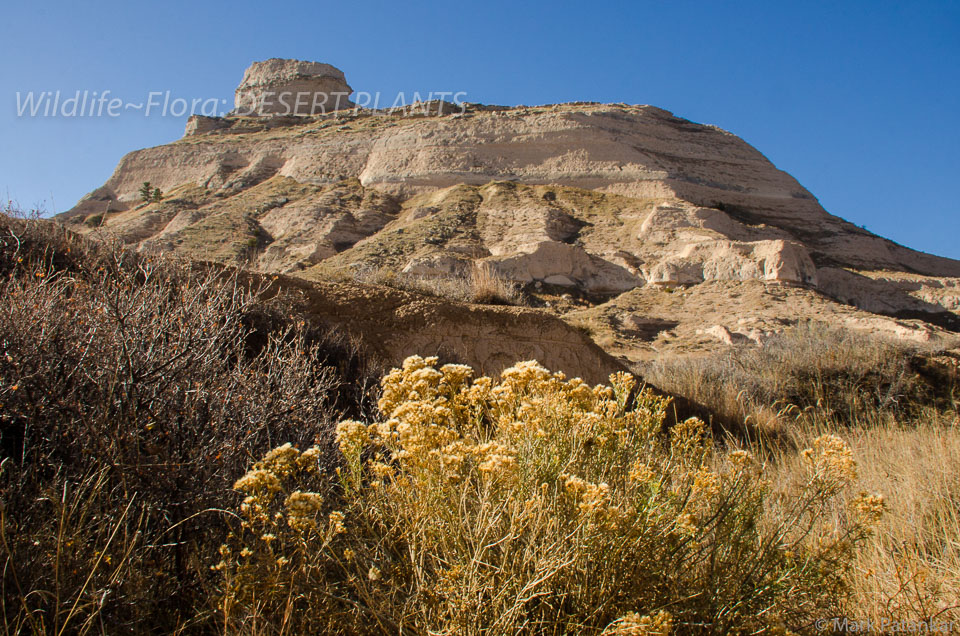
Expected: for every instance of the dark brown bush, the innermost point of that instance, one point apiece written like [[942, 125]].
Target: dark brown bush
[[133, 392]]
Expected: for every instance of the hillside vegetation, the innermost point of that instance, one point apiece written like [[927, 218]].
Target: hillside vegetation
[[181, 454], [133, 393]]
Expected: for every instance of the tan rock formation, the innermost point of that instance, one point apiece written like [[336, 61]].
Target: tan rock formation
[[291, 87], [719, 183], [396, 324], [201, 125], [772, 261], [565, 265], [647, 322], [652, 217]]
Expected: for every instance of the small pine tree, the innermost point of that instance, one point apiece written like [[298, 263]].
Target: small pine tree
[[146, 192], [157, 195]]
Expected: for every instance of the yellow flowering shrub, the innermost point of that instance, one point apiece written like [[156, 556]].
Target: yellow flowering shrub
[[534, 504]]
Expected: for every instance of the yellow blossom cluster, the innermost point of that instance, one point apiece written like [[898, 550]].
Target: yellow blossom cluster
[[309, 459], [258, 481], [455, 375], [265, 481], [336, 520], [869, 508], [623, 384], [633, 624], [415, 379], [706, 486], [688, 440], [265, 476], [494, 458], [831, 460], [281, 461], [302, 509], [446, 422], [742, 460], [352, 437], [590, 497], [641, 472]]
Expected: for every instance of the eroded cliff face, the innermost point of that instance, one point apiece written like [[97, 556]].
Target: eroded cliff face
[[596, 199], [291, 87], [395, 324], [639, 152]]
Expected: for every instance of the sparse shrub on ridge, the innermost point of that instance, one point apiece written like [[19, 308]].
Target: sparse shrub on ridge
[[536, 504], [488, 287]]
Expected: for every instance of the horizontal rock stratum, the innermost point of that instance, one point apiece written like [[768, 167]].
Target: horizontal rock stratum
[[594, 198]]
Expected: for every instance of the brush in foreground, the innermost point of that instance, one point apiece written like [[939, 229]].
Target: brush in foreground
[[537, 504]]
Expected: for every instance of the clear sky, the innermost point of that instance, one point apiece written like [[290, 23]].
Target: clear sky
[[860, 101]]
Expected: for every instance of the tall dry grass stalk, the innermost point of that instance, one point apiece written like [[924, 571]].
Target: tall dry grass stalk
[[488, 286], [910, 569], [896, 406]]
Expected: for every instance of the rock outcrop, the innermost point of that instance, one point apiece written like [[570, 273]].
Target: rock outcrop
[[291, 87], [605, 200], [395, 324], [641, 152], [202, 124], [771, 261]]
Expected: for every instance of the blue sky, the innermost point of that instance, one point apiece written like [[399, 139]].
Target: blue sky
[[860, 101]]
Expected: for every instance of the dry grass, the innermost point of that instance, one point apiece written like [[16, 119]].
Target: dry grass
[[910, 570], [819, 376], [897, 408], [488, 287]]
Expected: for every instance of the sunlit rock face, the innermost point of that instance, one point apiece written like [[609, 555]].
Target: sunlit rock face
[[291, 87], [678, 227]]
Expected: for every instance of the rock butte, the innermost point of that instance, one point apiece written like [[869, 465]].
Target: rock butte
[[291, 86], [617, 202]]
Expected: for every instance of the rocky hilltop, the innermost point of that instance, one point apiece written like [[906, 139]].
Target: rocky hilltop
[[291, 87], [652, 232]]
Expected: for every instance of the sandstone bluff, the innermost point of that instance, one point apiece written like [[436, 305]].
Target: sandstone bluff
[[658, 233], [290, 86]]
